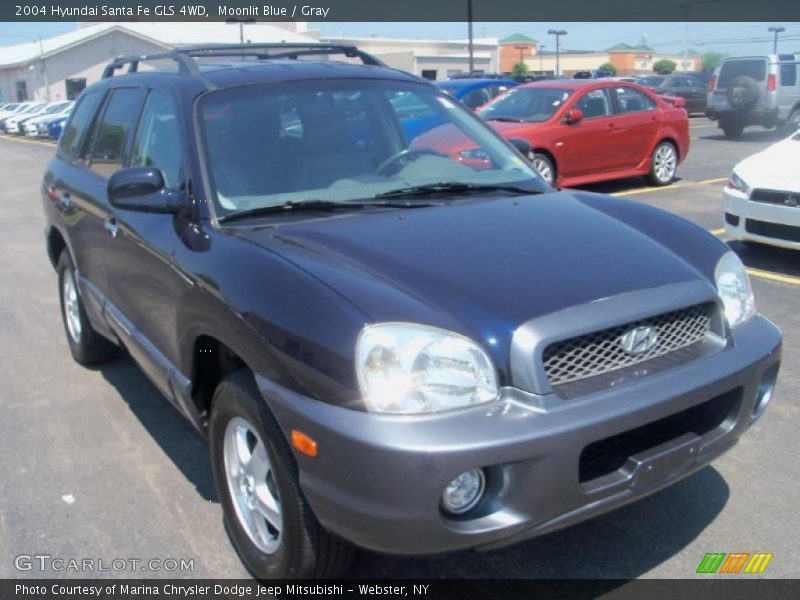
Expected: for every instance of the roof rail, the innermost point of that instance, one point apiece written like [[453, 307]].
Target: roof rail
[[186, 65]]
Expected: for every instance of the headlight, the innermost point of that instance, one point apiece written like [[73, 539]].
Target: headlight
[[733, 287], [737, 183], [404, 368]]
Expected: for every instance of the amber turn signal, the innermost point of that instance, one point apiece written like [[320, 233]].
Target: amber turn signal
[[303, 443]]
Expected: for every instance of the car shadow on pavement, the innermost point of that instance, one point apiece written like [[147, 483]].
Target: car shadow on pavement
[[749, 135], [768, 258], [173, 433], [621, 545]]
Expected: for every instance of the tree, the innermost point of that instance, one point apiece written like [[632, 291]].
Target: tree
[[664, 66], [608, 67], [519, 69], [711, 60]]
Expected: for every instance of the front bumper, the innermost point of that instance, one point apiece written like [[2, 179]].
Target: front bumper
[[782, 223], [377, 479]]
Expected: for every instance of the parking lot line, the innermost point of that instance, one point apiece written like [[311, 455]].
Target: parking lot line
[[24, 141], [791, 280], [646, 190], [715, 180]]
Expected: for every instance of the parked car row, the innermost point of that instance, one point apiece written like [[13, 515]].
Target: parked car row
[[36, 119]]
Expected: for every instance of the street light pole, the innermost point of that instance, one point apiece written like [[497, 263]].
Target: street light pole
[[776, 31], [521, 50], [558, 33]]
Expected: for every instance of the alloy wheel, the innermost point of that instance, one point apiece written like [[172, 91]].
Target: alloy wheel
[[251, 484], [665, 163], [72, 311]]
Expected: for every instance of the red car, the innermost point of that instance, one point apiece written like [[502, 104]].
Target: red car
[[583, 131]]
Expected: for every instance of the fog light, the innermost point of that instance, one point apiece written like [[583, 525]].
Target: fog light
[[463, 492], [763, 395]]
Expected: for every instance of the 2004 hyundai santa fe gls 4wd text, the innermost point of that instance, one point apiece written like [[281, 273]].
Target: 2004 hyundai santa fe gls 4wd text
[[388, 347]]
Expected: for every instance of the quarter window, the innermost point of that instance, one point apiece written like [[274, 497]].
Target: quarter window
[[157, 142], [789, 74], [594, 104], [108, 148]]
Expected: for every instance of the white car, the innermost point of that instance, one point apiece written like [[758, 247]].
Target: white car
[[10, 125], [762, 196], [30, 126]]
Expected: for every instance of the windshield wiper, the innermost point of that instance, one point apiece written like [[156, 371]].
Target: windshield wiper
[[456, 188], [506, 119], [311, 205]]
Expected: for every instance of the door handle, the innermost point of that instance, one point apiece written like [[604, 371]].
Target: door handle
[[111, 226]]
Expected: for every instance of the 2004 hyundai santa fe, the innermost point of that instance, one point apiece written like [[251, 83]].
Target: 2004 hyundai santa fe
[[387, 346]]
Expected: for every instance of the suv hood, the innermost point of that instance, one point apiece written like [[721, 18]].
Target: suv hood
[[483, 264]]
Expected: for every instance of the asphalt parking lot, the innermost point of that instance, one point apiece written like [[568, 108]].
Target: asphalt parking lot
[[95, 464]]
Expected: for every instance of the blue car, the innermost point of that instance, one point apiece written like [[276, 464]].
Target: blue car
[[476, 92], [55, 127]]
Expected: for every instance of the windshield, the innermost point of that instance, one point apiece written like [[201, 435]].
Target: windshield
[[532, 105], [344, 140]]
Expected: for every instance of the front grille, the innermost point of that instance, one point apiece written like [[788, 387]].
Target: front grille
[[773, 230], [608, 455], [782, 198], [601, 352]]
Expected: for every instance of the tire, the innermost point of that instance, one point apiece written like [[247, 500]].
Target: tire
[[742, 93], [732, 131], [543, 166], [290, 544], [86, 345], [663, 164], [793, 122]]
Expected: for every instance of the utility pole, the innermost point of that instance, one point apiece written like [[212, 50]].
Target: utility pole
[[521, 50], [776, 31], [469, 30], [540, 50], [44, 71], [558, 33]]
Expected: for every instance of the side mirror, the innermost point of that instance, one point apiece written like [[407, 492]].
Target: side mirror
[[573, 116], [524, 146], [143, 189]]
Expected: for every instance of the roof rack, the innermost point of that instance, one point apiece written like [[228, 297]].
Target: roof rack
[[188, 66]]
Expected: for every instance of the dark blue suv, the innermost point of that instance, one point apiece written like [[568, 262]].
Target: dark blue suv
[[388, 347]]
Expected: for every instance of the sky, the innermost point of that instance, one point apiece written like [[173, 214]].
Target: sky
[[729, 38]]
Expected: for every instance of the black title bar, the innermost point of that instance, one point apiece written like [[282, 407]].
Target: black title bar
[[402, 10]]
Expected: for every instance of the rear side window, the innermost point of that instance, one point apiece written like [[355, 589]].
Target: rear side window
[[108, 148], [630, 100], [755, 68], [789, 74], [158, 139], [77, 125], [594, 104]]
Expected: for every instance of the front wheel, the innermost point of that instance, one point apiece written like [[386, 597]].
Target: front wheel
[[543, 166], [663, 164], [267, 518]]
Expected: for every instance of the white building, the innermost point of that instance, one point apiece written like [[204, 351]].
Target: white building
[[60, 67]]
